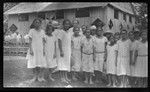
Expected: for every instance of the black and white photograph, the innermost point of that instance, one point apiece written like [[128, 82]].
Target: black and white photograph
[[75, 45]]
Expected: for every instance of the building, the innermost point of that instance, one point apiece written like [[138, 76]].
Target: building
[[23, 14]]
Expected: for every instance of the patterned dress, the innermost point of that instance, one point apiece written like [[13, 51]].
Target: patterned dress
[[100, 52], [87, 54], [141, 66], [76, 53]]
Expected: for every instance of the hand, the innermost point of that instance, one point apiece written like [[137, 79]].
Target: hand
[[116, 62], [62, 54], [31, 52], [43, 53], [54, 56]]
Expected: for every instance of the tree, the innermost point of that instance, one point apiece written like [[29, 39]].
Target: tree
[[142, 15]]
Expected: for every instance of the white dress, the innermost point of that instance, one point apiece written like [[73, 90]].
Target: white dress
[[100, 52], [76, 53], [38, 59], [123, 67], [50, 51], [133, 48], [64, 62], [87, 55], [111, 59], [141, 66]]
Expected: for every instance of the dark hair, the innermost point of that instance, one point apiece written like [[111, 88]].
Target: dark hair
[[33, 23], [140, 33], [47, 28], [75, 20], [124, 30], [66, 21], [75, 28]]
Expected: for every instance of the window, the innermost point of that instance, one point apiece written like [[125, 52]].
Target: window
[[23, 17], [84, 12], [41, 15], [130, 19], [59, 14], [124, 17], [116, 14]]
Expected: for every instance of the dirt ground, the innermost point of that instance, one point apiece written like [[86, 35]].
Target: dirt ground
[[15, 74]]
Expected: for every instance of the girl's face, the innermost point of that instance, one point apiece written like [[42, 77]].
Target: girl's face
[[37, 23], [124, 34], [100, 32], [83, 29], [76, 31], [117, 36], [75, 23], [92, 32], [66, 25], [88, 32], [131, 35], [144, 35], [50, 30], [112, 39]]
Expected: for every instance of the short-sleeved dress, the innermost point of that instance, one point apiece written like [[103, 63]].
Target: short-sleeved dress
[[38, 59], [100, 52], [123, 67], [76, 53], [111, 59], [64, 62], [133, 47], [141, 66], [87, 54], [50, 51]]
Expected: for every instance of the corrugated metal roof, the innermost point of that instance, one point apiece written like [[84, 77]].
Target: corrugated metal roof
[[49, 6], [27, 8]]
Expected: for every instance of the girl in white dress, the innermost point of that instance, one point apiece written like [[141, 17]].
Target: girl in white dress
[[111, 61], [123, 68], [75, 23], [36, 59], [141, 60], [83, 28], [50, 50], [76, 52], [64, 42], [87, 50], [100, 52]]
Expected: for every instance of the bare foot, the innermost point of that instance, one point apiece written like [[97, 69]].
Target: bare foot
[[31, 81], [41, 79], [74, 78], [86, 81], [91, 82], [52, 79], [63, 80]]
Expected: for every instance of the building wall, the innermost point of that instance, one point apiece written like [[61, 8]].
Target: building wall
[[23, 26], [116, 22]]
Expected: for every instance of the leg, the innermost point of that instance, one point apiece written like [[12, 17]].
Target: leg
[[86, 77], [74, 76], [66, 76], [41, 75], [50, 75], [90, 77], [113, 80], [96, 76], [109, 80]]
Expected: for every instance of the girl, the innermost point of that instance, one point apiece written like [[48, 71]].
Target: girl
[[64, 42], [123, 68], [99, 45], [76, 52], [87, 49], [36, 59], [83, 29], [141, 60], [111, 61], [75, 23], [93, 30], [50, 49], [117, 36]]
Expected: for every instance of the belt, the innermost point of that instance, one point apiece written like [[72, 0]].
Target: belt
[[142, 55], [87, 53], [100, 52]]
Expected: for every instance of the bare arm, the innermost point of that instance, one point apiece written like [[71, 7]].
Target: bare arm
[[131, 55], [135, 56], [30, 45], [116, 52], [60, 47]]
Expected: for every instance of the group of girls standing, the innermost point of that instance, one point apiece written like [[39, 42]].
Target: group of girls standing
[[85, 50]]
